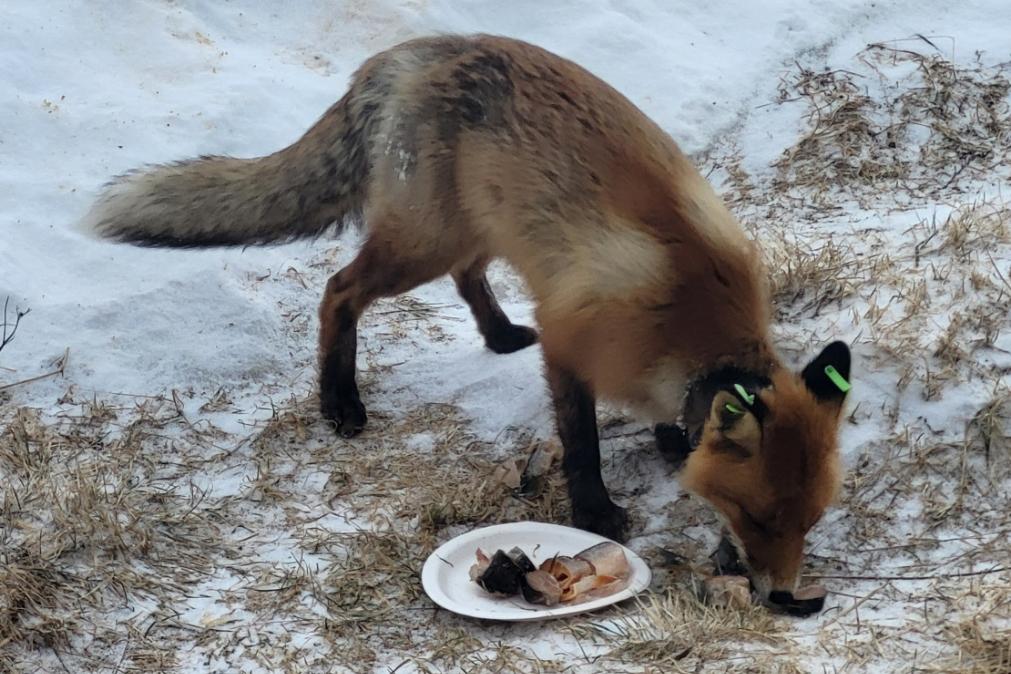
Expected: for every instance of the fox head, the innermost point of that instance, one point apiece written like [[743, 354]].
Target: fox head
[[767, 461]]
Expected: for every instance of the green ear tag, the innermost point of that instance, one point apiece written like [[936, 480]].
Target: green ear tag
[[749, 398], [734, 409], [837, 379]]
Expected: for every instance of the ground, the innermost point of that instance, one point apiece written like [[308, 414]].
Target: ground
[[171, 501]]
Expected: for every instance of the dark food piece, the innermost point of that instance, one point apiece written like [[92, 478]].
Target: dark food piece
[[727, 561], [503, 575], [803, 602], [521, 560]]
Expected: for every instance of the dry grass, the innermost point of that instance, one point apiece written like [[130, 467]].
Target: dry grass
[[808, 276], [460, 649], [980, 650], [674, 632], [87, 529], [907, 122]]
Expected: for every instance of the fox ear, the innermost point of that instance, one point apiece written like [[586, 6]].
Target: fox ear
[[732, 421], [827, 376]]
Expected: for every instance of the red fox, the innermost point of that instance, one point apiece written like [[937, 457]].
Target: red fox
[[454, 151]]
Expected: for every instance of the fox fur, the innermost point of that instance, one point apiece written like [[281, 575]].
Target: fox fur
[[454, 151]]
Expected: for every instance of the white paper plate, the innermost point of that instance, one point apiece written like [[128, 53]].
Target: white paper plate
[[446, 579]]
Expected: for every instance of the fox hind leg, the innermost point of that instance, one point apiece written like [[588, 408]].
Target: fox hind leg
[[343, 302], [500, 334], [376, 272]]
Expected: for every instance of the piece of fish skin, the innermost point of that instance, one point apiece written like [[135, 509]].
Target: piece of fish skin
[[540, 587], [567, 570], [607, 559]]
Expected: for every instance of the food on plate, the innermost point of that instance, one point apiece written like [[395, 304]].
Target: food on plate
[[502, 573], [541, 588], [521, 560], [598, 571], [566, 570], [591, 587], [607, 559]]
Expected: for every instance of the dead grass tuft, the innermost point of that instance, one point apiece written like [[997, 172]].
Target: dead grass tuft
[[375, 575], [459, 649], [910, 122], [31, 588], [676, 631], [87, 528], [806, 276], [981, 650]]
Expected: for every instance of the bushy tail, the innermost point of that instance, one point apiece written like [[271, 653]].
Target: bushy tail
[[298, 192]]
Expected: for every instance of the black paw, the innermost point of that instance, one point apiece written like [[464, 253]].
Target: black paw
[[609, 521], [511, 338], [347, 415]]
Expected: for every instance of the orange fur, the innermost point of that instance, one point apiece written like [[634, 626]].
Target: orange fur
[[773, 484]]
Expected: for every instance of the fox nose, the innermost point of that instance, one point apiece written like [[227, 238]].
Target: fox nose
[[781, 597], [804, 602]]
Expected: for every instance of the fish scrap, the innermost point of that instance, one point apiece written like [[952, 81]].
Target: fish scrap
[[598, 571]]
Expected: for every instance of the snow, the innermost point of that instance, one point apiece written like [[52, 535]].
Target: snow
[[95, 89]]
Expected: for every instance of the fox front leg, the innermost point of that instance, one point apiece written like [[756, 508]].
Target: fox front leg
[[576, 418]]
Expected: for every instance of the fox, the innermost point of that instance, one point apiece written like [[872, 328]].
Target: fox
[[454, 151]]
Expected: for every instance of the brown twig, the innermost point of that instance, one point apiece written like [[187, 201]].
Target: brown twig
[[58, 371], [963, 574], [18, 315]]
